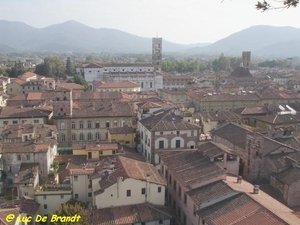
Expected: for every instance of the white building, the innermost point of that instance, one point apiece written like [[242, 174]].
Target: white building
[[146, 75]]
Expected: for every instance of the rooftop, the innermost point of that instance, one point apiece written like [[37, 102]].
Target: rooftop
[[123, 84], [190, 166], [130, 214]]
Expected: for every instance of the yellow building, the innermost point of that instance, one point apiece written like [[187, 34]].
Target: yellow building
[[123, 135], [95, 151]]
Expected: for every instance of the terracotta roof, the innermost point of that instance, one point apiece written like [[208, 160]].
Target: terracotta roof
[[279, 119], [252, 110], [96, 147], [241, 72], [27, 173], [217, 116], [5, 212], [264, 200], [131, 214], [24, 147], [149, 105], [166, 121], [190, 166], [70, 86], [81, 171], [123, 84], [27, 75], [87, 96], [210, 192], [239, 209], [18, 81], [102, 109], [290, 175], [212, 149], [129, 168], [101, 65], [34, 95], [121, 130], [28, 205], [16, 112]]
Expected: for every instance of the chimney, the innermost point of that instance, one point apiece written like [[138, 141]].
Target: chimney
[[147, 177], [255, 189]]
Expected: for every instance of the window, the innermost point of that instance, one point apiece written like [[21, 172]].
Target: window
[[179, 192], [81, 124], [161, 133], [159, 189], [45, 206], [113, 152], [161, 144], [62, 196], [36, 121], [174, 185], [19, 157], [89, 124], [177, 133], [15, 122], [90, 194], [28, 157], [44, 197], [128, 193], [100, 152], [73, 125], [5, 122], [177, 145], [97, 124], [75, 178], [170, 179], [107, 124], [81, 137], [62, 125], [97, 136], [76, 195], [185, 199], [73, 137], [143, 191], [63, 137], [160, 221], [90, 136], [115, 123], [26, 193], [150, 84]]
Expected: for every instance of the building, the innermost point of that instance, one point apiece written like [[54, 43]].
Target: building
[[128, 182], [260, 156], [86, 118], [177, 81], [124, 86], [146, 75], [246, 57], [97, 150], [165, 130], [122, 135]]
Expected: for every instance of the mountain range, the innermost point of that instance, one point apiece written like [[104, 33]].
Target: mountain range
[[72, 36]]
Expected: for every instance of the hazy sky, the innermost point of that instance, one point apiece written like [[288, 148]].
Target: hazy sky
[[181, 21]]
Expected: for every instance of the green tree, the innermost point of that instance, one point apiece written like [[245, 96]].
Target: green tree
[[16, 70], [72, 208], [78, 79], [69, 66], [51, 67], [55, 166], [2, 71], [284, 4]]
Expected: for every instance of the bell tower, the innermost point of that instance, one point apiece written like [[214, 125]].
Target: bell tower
[[246, 59], [157, 54]]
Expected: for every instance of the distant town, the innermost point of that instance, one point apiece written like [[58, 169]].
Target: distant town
[[147, 139]]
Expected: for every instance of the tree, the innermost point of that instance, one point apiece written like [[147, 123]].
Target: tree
[[72, 208], [51, 67], [284, 4], [16, 70], [55, 166], [2, 71], [78, 79], [68, 66]]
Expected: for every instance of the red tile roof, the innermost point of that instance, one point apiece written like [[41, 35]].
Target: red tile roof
[[123, 84], [131, 214]]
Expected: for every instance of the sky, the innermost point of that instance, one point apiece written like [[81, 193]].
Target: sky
[[180, 21]]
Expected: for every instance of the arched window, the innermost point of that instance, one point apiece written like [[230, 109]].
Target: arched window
[[81, 124], [81, 137], [73, 137], [89, 136], [107, 124], [123, 123], [73, 125], [62, 125], [89, 124], [115, 123]]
